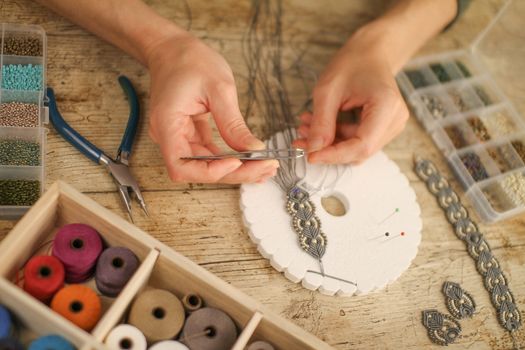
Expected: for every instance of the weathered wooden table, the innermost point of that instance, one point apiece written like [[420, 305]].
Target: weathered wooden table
[[204, 221]]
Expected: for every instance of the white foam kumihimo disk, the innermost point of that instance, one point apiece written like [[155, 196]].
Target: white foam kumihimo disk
[[369, 246]]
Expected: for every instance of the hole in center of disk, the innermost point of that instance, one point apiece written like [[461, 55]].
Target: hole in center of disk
[[44, 271], [117, 262], [210, 331], [77, 243], [126, 343], [76, 306], [194, 300], [335, 204], [159, 313]]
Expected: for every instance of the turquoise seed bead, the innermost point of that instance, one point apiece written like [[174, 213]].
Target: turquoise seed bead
[[22, 77]]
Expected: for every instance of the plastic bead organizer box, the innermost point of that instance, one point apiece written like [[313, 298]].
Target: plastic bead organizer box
[[22, 115], [469, 102]]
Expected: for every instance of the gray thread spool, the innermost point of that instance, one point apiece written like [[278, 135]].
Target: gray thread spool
[[209, 329]]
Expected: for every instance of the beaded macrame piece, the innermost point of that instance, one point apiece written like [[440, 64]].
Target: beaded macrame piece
[[459, 303], [478, 248], [442, 329], [306, 224]]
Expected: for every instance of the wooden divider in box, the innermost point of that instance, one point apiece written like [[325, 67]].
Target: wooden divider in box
[[161, 267]]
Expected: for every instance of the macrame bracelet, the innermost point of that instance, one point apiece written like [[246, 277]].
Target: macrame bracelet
[[478, 248]]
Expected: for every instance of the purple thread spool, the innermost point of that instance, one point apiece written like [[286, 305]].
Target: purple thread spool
[[78, 247], [115, 267]]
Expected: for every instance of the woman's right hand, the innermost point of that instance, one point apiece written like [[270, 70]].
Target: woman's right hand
[[188, 81]]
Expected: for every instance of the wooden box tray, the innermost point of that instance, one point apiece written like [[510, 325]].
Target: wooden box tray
[[161, 267]]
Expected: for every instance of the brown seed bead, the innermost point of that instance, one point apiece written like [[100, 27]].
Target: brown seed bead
[[456, 136], [479, 129], [520, 148], [18, 114], [458, 100], [22, 45]]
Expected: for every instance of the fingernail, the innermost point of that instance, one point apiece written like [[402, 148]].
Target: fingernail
[[234, 166], [265, 178], [314, 160], [315, 144], [273, 165], [256, 144]]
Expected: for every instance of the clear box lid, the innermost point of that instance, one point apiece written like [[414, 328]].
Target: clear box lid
[[500, 48]]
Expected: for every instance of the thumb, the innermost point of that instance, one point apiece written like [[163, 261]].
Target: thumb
[[323, 123], [224, 107]]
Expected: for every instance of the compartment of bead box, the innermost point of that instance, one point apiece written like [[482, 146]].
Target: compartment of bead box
[[22, 82], [160, 267], [471, 121]]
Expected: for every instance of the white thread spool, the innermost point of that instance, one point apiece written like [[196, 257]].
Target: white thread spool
[[169, 345], [126, 337]]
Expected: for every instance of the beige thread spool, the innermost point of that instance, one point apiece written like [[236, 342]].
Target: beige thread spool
[[192, 302], [158, 314]]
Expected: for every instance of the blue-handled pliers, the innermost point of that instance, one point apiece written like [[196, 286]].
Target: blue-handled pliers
[[118, 168]]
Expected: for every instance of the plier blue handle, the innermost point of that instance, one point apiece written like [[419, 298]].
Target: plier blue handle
[[79, 142], [118, 168]]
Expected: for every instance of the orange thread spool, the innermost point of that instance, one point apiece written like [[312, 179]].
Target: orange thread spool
[[79, 304]]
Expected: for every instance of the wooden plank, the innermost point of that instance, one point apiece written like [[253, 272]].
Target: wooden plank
[[247, 332]]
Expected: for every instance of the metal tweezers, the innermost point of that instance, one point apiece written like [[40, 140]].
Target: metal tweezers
[[286, 153]]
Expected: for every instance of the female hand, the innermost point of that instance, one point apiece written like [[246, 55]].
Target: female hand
[[188, 80], [359, 76]]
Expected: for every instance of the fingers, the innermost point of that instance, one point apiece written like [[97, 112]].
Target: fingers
[[343, 130], [224, 107], [382, 120], [231, 170], [327, 101], [252, 171]]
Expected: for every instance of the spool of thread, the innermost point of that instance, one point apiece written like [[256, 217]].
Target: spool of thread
[[79, 304], [10, 344], [51, 341], [78, 247], [115, 267], [126, 337], [192, 302], [260, 345], [158, 314], [6, 322], [43, 277], [209, 329], [169, 345]]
